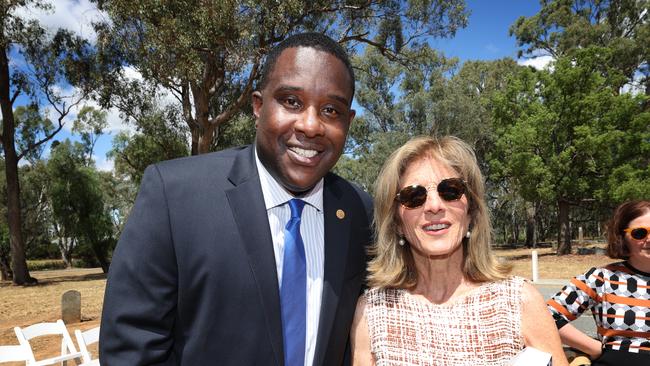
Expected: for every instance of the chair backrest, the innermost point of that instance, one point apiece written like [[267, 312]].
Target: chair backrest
[[84, 339], [91, 363], [68, 350], [13, 353]]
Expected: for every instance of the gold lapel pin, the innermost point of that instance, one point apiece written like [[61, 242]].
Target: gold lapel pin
[[340, 214]]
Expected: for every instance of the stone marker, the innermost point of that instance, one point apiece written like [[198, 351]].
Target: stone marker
[[71, 307], [580, 236]]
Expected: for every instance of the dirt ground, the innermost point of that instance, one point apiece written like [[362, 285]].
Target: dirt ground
[[551, 266], [23, 306]]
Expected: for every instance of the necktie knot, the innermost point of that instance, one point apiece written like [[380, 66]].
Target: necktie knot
[[296, 206]]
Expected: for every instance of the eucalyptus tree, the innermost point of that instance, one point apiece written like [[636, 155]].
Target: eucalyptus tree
[[429, 94], [35, 66], [160, 135], [397, 97], [90, 124], [209, 54], [83, 221]]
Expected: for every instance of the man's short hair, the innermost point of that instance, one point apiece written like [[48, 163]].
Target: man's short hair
[[317, 41]]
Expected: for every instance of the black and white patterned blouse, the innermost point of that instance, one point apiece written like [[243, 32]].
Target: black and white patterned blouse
[[618, 296]]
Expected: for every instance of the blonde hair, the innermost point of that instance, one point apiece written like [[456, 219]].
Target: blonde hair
[[392, 265]]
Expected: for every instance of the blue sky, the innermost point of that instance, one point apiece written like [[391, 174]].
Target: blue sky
[[485, 38]]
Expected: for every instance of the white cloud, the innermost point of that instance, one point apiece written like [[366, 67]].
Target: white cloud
[[103, 163], [115, 123], [636, 86], [538, 62], [132, 73], [73, 15]]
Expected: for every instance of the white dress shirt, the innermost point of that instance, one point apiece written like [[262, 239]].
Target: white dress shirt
[[312, 230]]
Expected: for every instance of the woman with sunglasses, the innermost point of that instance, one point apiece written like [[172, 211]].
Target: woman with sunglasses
[[617, 294], [437, 295]]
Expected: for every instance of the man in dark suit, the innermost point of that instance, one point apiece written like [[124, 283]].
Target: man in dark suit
[[197, 276]]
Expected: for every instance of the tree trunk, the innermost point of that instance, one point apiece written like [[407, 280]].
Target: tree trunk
[[195, 140], [531, 239], [564, 232], [14, 220], [100, 254], [5, 270], [207, 139], [65, 248]]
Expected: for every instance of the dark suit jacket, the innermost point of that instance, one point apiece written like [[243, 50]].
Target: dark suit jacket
[[193, 279]]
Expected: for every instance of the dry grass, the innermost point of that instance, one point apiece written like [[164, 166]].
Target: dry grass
[[23, 306], [550, 265]]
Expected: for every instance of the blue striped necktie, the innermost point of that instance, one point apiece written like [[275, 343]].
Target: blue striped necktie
[[293, 300]]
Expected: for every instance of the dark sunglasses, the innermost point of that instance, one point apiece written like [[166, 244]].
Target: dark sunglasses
[[450, 189], [638, 233]]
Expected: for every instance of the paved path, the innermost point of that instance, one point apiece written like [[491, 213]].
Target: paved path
[[549, 288]]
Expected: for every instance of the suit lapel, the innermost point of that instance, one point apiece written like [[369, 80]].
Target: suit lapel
[[247, 204], [336, 251]]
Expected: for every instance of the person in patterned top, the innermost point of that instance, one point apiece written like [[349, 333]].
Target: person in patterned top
[[618, 294], [437, 294]]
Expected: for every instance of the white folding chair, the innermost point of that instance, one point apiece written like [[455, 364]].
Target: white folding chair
[[68, 350], [13, 353], [84, 339], [91, 363]]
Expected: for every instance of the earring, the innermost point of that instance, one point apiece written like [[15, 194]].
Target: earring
[[401, 241], [468, 234]]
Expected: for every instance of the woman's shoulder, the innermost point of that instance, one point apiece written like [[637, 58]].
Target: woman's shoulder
[[615, 271]]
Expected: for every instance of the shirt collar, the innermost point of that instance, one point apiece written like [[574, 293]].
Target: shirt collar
[[275, 195]]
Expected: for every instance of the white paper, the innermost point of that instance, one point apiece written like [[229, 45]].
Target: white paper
[[530, 356]]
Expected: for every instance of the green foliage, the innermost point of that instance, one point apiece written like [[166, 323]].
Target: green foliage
[[90, 125], [426, 96], [563, 27], [119, 194], [239, 131], [77, 202], [160, 136], [47, 264], [34, 64], [36, 211], [398, 100], [364, 169], [570, 136], [30, 128], [209, 55]]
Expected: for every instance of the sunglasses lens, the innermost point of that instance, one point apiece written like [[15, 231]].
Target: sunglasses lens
[[639, 234], [451, 189], [412, 196]]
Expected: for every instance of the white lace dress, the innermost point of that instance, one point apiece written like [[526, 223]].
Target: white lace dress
[[482, 328]]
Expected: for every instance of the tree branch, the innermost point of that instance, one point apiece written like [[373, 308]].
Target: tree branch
[[241, 100], [15, 96]]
